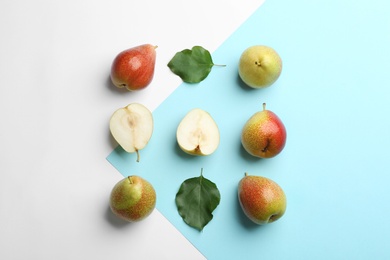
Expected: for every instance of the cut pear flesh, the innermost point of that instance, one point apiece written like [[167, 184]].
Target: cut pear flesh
[[197, 133], [132, 127]]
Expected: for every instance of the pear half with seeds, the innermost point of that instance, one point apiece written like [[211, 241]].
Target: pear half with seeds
[[198, 133], [132, 127]]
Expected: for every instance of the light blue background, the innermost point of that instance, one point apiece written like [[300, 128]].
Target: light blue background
[[333, 96]]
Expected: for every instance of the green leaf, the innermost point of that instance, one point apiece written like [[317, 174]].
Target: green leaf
[[192, 66], [196, 199]]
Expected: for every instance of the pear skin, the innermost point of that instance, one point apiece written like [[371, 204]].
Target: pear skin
[[264, 134], [133, 68], [262, 200], [133, 199]]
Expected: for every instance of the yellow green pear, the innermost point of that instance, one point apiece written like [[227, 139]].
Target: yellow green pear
[[259, 66]]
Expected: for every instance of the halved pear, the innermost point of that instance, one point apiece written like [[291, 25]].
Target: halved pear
[[132, 127], [197, 133]]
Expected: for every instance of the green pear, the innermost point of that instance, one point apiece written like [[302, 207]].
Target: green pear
[[133, 199], [262, 200], [259, 66], [264, 134]]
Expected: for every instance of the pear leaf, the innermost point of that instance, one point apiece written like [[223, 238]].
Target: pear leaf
[[196, 199], [192, 66]]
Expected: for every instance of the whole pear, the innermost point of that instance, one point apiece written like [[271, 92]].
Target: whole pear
[[262, 200], [259, 66], [264, 134], [133, 68], [133, 199]]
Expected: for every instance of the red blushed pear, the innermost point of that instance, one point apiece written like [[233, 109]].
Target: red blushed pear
[[133, 199], [133, 68], [262, 200], [264, 134]]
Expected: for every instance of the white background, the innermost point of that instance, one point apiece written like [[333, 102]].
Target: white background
[[56, 100]]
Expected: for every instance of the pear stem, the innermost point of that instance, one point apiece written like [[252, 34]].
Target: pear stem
[[246, 174], [130, 179], [219, 65], [264, 106], [138, 156]]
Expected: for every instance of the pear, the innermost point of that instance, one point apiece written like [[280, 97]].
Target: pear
[[133, 68], [198, 133], [133, 199], [262, 200], [132, 127], [264, 134], [259, 66]]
